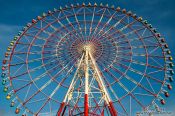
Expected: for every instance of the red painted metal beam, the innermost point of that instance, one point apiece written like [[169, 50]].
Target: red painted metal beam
[[112, 109], [60, 109], [102, 113], [86, 107]]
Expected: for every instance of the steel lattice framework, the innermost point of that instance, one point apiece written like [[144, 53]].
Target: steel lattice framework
[[87, 60]]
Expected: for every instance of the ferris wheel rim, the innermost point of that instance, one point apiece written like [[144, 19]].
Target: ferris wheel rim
[[126, 70]]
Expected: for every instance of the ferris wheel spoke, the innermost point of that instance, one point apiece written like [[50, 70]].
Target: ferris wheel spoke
[[150, 52], [40, 38], [141, 94], [49, 24], [113, 26], [140, 37], [152, 42], [44, 86], [33, 60], [52, 34], [146, 46], [125, 88], [99, 21], [38, 28], [117, 98], [120, 84], [121, 48], [130, 106], [140, 73], [107, 23], [79, 27], [123, 28], [63, 68], [126, 76], [115, 78], [144, 32], [126, 34], [21, 48], [27, 44], [31, 82], [138, 62], [152, 72], [85, 20], [80, 36], [41, 76], [138, 84], [137, 38], [57, 88], [139, 54], [127, 25], [34, 52], [137, 100], [42, 65], [63, 36], [43, 106], [19, 57], [27, 92], [156, 62], [36, 101], [150, 85], [47, 32], [62, 81], [134, 98], [31, 70], [92, 20], [18, 70], [130, 79], [22, 80], [50, 107]]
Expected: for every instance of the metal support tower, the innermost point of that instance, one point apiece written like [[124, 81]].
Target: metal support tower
[[88, 64]]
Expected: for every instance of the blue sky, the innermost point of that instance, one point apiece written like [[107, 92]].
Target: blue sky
[[15, 14]]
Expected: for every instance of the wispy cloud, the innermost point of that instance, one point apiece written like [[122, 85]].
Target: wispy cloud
[[6, 34]]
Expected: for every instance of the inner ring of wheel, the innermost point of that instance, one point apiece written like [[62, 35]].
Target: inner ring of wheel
[[75, 47]]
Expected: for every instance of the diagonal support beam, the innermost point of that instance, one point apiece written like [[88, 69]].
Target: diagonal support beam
[[107, 97], [86, 101], [70, 88]]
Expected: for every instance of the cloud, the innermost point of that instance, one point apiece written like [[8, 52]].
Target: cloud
[[5, 113], [7, 32]]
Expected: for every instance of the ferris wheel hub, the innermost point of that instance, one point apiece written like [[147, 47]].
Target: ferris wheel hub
[[88, 47]]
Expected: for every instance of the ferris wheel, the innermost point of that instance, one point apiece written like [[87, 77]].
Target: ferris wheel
[[87, 60]]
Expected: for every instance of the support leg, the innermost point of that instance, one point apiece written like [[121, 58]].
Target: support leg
[[61, 109], [86, 109], [86, 104], [112, 109]]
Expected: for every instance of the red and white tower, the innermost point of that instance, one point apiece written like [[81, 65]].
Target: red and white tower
[[88, 82]]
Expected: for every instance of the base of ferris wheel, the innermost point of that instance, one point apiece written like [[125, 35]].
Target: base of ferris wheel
[[87, 88]]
